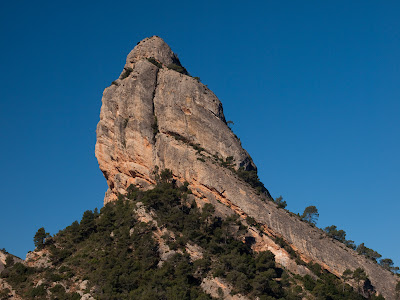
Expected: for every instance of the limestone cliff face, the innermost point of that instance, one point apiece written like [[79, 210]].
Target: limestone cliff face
[[154, 117]]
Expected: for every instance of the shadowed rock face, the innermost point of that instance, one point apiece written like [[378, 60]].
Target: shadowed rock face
[[154, 118]]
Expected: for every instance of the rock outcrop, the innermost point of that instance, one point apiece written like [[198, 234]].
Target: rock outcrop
[[3, 257], [6, 289], [155, 116]]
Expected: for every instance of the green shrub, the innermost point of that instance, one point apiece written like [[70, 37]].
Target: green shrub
[[178, 68], [4, 294], [154, 62], [154, 126], [315, 268], [183, 139], [125, 73], [281, 242], [18, 274], [228, 163], [251, 178], [367, 252], [9, 261], [53, 277], [251, 221], [281, 203], [37, 292], [309, 283]]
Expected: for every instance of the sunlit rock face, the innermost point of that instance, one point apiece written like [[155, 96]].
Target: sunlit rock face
[[154, 117]]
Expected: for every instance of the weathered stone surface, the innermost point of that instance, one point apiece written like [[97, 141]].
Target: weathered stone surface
[[4, 286], [129, 146], [218, 288], [152, 47], [3, 257], [38, 259], [156, 118]]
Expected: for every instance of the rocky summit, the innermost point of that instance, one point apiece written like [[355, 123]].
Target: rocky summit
[[156, 116]]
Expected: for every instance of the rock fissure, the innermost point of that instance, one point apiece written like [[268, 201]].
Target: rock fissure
[[155, 123]]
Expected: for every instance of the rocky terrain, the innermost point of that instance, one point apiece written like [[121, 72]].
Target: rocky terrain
[[3, 258], [154, 117], [4, 285]]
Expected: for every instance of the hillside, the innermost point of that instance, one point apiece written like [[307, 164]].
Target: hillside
[[185, 215], [158, 244]]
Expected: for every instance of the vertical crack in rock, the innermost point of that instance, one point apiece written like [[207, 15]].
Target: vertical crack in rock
[[154, 126]]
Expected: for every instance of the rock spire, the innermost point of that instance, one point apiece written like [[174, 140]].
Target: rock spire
[[156, 116]]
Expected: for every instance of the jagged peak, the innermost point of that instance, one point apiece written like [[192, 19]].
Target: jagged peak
[[154, 47]]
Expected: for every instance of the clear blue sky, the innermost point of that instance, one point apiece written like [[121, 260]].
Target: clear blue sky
[[313, 88]]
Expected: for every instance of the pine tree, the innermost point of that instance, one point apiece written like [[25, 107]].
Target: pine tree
[[40, 238], [310, 214]]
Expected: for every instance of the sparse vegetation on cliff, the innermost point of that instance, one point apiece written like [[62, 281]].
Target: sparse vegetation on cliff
[[280, 202], [367, 252], [339, 235], [310, 215], [154, 126], [183, 139], [388, 264], [126, 73], [154, 62], [178, 68], [251, 177]]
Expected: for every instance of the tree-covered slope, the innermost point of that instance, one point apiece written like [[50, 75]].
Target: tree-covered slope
[[159, 244]]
